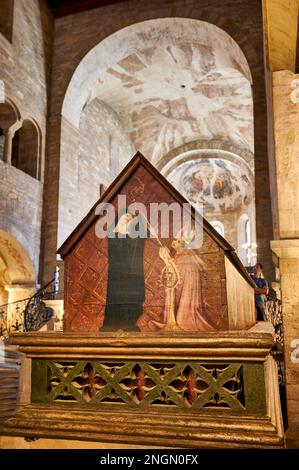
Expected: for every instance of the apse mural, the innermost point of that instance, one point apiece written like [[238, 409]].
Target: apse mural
[[219, 184]]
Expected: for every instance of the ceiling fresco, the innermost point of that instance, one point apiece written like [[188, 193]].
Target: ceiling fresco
[[219, 184], [171, 81], [175, 94]]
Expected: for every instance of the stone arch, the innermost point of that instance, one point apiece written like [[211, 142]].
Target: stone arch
[[185, 152], [9, 113], [143, 35], [17, 273]]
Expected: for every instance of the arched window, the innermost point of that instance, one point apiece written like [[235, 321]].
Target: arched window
[[25, 149], [218, 226], [247, 231], [246, 241]]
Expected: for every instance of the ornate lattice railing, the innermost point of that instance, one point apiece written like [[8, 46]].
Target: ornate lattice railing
[[166, 386], [180, 391]]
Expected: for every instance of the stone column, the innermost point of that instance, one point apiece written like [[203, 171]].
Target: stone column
[[288, 254], [8, 146], [9, 135], [286, 121]]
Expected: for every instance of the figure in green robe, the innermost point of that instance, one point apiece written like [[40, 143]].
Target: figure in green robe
[[125, 289]]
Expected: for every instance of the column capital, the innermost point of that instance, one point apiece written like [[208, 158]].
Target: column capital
[[287, 248]]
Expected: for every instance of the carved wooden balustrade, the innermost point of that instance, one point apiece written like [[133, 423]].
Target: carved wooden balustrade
[[196, 391]]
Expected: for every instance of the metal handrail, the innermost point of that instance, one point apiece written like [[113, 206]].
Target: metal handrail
[[30, 313], [29, 298]]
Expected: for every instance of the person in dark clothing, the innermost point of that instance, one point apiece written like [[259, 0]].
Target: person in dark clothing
[[260, 292]]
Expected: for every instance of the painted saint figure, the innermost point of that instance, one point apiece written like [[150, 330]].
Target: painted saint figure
[[181, 279], [184, 309]]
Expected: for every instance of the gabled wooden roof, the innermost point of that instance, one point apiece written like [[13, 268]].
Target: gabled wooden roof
[[114, 189]]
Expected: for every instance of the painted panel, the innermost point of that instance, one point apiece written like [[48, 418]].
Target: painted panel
[[144, 284]]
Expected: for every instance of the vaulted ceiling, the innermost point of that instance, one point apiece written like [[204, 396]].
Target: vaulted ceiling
[[170, 82], [176, 94]]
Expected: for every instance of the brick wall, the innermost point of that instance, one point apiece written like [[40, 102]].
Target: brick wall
[[25, 67], [26, 61], [21, 208]]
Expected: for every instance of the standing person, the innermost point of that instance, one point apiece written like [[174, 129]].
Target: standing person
[[260, 292]]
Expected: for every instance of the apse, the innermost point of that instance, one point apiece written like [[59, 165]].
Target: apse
[[221, 184]]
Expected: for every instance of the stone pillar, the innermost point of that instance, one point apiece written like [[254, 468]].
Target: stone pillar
[[280, 29], [9, 135], [8, 146], [286, 137], [288, 254], [286, 120]]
